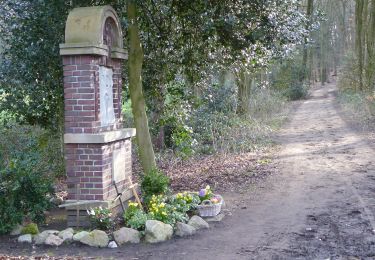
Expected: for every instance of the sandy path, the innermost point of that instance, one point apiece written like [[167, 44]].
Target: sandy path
[[320, 206]]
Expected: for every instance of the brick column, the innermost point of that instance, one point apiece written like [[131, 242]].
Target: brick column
[[97, 151]]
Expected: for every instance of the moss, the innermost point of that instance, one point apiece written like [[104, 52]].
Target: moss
[[31, 228]]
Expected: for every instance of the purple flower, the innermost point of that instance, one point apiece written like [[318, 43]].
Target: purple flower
[[202, 193]]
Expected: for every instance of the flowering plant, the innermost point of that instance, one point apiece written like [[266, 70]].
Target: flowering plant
[[215, 199], [100, 218], [158, 209], [206, 193], [134, 216], [165, 210], [185, 201]]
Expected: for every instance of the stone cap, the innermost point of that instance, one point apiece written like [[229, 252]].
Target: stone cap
[[99, 138], [85, 29]]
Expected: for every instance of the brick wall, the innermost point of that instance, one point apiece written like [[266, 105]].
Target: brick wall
[[82, 94], [90, 165]]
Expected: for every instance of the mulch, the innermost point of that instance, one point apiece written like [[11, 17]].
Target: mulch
[[223, 172]]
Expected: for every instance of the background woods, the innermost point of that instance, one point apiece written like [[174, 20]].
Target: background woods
[[202, 78]]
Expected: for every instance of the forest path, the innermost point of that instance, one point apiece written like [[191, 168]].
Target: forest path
[[320, 205]]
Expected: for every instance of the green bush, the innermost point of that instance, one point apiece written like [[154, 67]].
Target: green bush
[[31, 228], [135, 217], [25, 139], [287, 78], [184, 201], [25, 191], [296, 92], [100, 218], [174, 119], [160, 208], [154, 182]]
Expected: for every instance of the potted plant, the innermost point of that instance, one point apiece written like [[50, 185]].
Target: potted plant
[[211, 203]]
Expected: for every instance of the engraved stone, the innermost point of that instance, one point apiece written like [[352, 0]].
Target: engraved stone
[[119, 164], [107, 113]]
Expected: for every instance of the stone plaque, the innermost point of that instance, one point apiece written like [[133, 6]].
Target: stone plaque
[[107, 113], [118, 165]]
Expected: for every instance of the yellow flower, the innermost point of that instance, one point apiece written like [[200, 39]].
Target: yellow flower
[[164, 213], [162, 205]]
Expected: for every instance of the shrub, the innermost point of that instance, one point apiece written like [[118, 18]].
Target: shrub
[[296, 92], [287, 78], [135, 217], [184, 201], [25, 139], [25, 189], [154, 182], [101, 218], [174, 119], [160, 209], [31, 228]]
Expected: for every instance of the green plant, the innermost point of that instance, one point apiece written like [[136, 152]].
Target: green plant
[[25, 189], [18, 140], [31, 228], [160, 209], [101, 218], [154, 182], [296, 92], [185, 201], [135, 217]]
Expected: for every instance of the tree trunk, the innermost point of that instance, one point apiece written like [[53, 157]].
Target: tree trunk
[[359, 40], [243, 97], [309, 11], [146, 152], [370, 42]]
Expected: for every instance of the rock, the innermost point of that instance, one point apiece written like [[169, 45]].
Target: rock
[[127, 235], [198, 222], [157, 231], [112, 244], [16, 230], [183, 230], [216, 218], [57, 200], [25, 238], [67, 234], [96, 238], [41, 237], [80, 235], [53, 240]]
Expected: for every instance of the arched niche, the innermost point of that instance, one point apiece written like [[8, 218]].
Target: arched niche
[[93, 30]]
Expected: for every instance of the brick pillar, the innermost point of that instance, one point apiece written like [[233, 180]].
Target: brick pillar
[[97, 147]]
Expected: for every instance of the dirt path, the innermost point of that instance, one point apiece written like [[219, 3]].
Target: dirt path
[[320, 206]]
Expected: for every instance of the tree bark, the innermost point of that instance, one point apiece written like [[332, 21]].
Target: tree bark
[[309, 11], [146, 151], [359, 40], [243, 95], [370, 42]]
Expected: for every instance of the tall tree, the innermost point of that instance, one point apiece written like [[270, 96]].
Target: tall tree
[[309, 12], [359, 9], [146, 152]]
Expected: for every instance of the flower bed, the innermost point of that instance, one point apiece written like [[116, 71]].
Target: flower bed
[[155, 218]]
